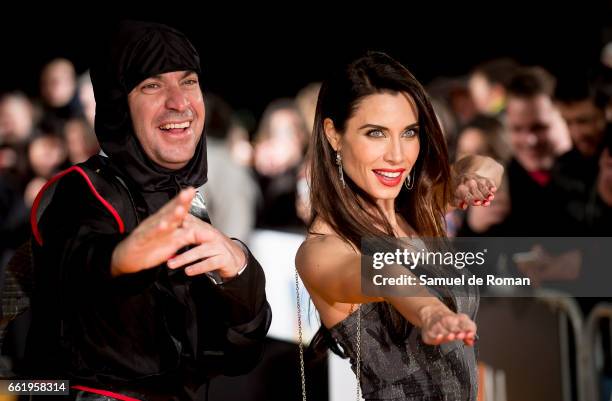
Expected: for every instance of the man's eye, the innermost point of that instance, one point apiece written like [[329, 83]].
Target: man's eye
[[539, 128], [376, 133], [150, 86], [191, 82]]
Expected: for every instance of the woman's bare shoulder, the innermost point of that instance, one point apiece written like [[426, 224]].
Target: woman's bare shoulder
[[322, 248]]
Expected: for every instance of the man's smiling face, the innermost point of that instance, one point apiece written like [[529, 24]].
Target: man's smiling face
[[167, 112]]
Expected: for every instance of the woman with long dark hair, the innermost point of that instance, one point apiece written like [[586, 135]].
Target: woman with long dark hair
[[379, 168]]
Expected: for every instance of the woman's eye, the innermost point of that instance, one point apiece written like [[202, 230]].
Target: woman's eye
[[376, 133], [409, 133]]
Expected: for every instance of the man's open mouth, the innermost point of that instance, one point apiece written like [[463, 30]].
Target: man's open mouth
[[175, 127]]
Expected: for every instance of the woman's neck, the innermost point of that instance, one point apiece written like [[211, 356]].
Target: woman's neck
[[388, 208], [400, 227]]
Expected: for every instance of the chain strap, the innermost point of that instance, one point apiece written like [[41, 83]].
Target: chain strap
[[358, 353], [301, 345], [358, 370]]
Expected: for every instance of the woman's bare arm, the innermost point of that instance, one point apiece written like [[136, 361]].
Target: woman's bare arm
[[331, 270]]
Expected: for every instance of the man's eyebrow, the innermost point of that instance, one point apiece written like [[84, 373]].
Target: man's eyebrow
[[185, 75]]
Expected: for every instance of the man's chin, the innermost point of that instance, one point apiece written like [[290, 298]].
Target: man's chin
[[173, 163], [535, 161], [587, 150]]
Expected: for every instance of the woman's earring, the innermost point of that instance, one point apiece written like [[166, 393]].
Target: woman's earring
[[340, 172], [409, 181]]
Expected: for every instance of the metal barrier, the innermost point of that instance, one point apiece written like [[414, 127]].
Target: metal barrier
[[540, 326], [571, 311], [600, 312]]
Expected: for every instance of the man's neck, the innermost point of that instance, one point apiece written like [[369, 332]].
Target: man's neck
[[544, 164]]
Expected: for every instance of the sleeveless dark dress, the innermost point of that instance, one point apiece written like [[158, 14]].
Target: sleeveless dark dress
[[408, 369]]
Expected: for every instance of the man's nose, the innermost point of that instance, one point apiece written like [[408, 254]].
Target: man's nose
[[584, 133], [176, 99], [531, 138]]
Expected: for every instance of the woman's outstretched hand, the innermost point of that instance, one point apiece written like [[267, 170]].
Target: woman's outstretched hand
[[440, 325], [475, 180]]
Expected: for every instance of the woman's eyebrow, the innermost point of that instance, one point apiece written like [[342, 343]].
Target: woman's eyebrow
[[373, 126], [413, 125]]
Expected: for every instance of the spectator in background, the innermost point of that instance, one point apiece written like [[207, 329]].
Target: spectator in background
[[454, 93], [583, 189], [81, 142], [47, 156], [16, 118], [58, 90], [14, 230], [231, 192], [453, 106], [238, 141], [531, 123], [575, 173], [487, 84], [306, 101], [484, 136], [606, 55], [16, 129], [603, 77], [278, 156], [448, 123], [583, 109], [604, 178], [86, 97], [601, 219], [31, 191], [47, 153]]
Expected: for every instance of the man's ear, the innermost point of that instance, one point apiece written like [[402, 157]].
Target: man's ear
[[333, 137]]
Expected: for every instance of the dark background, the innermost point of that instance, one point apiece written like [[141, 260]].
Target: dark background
[[252, 56]]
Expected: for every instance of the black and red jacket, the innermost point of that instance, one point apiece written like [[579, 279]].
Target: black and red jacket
[[153, 332]]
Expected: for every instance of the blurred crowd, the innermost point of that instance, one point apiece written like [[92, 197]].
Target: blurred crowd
[[552, 134], [38, 138]]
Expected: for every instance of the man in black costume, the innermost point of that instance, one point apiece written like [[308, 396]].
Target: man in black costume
[[134, 295]]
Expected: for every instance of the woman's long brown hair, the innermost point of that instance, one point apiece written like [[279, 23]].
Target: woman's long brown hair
[[349, 210]]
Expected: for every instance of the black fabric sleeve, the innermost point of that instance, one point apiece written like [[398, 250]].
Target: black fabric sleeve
[[241, 305], [101, 328]]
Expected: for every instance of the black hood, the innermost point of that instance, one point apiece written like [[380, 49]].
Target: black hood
[[135, 52]]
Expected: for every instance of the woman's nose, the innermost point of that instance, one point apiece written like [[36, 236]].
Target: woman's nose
[[394, 151]]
